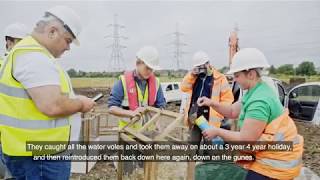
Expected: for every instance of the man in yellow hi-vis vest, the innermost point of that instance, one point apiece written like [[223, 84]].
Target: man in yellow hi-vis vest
[[36, 96], [138, 88], [13, 33]]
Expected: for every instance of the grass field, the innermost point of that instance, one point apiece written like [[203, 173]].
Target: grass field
[[108, 82], [286, 78]]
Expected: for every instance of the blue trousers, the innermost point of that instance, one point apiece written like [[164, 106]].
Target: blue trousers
[[25, 168]]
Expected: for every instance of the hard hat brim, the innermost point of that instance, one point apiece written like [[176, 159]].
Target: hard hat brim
[[199, 64], [152, 66]]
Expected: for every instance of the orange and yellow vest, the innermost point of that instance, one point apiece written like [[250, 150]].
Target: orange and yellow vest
[[221, 92], [278, 164]]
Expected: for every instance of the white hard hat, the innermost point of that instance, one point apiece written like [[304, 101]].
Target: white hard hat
[[16, 30], [71, 20], [150, 56], [246, 59], [200, 58]]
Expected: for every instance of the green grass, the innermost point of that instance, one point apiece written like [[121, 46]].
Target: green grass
[[92, 82], [286, 78], [108, 82]]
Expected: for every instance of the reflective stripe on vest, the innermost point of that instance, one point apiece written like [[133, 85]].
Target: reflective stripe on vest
[[21, 121], [13, 91], [32, 124], [280, 164]]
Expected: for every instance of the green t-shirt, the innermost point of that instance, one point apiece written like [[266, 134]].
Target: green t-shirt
[[260, 103]]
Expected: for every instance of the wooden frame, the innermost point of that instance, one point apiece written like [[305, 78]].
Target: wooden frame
[[132, 136]]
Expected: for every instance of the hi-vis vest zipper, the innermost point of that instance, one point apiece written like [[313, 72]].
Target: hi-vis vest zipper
[[20, 119]]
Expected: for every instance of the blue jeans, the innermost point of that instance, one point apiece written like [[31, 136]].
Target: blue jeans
[[25, 168]]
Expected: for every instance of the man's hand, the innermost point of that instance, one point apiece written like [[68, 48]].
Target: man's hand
[[204, 101], [138, 111], [210, 133], [87, 103], [194, 72]]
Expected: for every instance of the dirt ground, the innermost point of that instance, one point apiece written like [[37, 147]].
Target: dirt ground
[[311, 155], [170, 171]]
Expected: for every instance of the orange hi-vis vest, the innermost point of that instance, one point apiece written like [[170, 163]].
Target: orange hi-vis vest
[[278, 164], [221, 92]]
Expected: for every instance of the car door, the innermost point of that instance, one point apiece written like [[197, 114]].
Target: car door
[[169, 93], [303, 101], [236, 91], [282, 92], [176, 92]]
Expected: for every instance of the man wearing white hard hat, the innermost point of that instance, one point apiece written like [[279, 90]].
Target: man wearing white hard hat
[[135, 90], [261, 118], [138, 88], [204, 81], [38, 99], [13, 33]]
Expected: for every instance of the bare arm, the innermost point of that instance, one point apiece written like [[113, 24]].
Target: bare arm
[[118, 111], [51, 102], [230, 111]]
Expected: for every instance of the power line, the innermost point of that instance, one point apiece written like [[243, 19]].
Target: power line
[[116, 62], [178, 44]]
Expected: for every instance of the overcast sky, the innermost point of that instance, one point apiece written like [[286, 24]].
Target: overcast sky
[[287, 32]]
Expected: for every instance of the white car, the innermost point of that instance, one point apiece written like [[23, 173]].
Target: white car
[[172, 92], [304, 102]]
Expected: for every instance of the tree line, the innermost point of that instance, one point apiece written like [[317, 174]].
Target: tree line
[[306, 68]]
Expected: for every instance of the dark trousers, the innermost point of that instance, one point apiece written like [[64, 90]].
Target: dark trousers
[[196, 139], [256, 176]]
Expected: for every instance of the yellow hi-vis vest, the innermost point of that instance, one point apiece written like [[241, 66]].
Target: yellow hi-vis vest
[[21, 121], [142, 99]]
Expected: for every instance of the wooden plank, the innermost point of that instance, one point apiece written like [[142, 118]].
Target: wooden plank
[[168, 129], [136, 134], [149, 123], [190, 170], [164, 112], [173, 138], [120, 163], [131, 121], [127, 139], [153, 171], [146, 173]]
